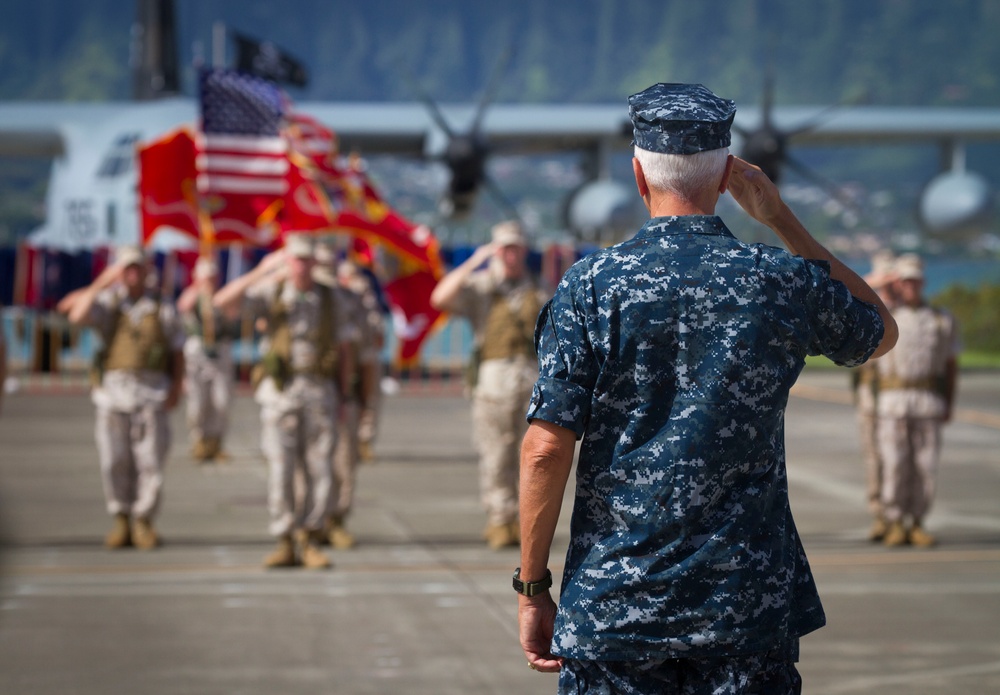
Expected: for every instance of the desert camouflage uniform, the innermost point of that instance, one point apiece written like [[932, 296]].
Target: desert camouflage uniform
[[865, 396], [671, 355], [297, 421], [345, 457], [208, 367], [133, 428], [505, 375], [372, 328], [911, 407]]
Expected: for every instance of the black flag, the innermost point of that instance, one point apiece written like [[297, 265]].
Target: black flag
[[264, 59]]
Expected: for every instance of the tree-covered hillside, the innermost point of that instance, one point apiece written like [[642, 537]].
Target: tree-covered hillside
[[881, 52], [899, 52]]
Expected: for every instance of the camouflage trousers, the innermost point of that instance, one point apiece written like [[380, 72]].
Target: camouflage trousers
[[370, 400], [909, 448], [498, 426], [209, 386], [868, 435], [132, 447], [298, 440], [345, 459], [750, 674]]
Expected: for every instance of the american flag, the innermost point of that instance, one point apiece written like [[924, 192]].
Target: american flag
[[242, 151]]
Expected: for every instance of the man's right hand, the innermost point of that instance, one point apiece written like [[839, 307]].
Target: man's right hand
[[482, 254], [755, 193], [536, 621], [272, 261]]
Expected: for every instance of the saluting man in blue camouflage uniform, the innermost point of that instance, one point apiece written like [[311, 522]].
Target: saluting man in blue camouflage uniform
[[671, 356]]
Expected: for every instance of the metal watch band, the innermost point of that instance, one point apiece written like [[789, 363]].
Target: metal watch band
[[530, 589]]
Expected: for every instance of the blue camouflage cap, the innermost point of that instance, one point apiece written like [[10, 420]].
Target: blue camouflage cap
[[680, 119]]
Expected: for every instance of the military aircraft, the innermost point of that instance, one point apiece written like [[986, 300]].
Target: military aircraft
[[91, 197]]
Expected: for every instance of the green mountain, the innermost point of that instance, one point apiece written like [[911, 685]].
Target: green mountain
[[879, 52], [898, 52]]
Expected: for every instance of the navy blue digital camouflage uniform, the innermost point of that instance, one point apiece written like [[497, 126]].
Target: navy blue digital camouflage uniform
[[671, 355]]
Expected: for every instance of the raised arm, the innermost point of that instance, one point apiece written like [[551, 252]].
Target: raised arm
[[230, 295], [78, 309], [448, 288], [188, 299], [756, 194]]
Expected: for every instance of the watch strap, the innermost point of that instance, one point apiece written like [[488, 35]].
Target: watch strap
[[531, 588]]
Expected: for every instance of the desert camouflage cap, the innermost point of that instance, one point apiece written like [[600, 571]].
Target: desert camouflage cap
[[680, 119], [130, 255], [909, 266], [300, 245], [205, 268]]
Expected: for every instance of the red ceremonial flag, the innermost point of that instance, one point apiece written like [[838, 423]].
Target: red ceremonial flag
[[413, 317], [348, 202], [167, 185], [306, 205], [312, 139]]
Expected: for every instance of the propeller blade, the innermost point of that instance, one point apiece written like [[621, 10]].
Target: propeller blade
[[767, 104], [491, 89], [824, 115], [829, 187], [432, 108], [500, 198]]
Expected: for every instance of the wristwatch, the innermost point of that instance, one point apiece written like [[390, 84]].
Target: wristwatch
[[530, 589]]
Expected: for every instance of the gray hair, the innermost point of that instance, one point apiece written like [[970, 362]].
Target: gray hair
[[683, 174]]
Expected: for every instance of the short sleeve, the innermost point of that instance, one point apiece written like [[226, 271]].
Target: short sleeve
[[173, 328], [567, 366], [258, 298], [100, 316], [842, 327]]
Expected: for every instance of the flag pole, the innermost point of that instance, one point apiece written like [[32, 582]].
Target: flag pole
[[218, 45]]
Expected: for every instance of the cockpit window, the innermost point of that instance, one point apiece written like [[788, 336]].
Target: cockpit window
[[120, 157]]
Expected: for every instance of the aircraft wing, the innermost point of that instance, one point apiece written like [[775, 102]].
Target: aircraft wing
[[861, 125], [409, 129], [45, 129]]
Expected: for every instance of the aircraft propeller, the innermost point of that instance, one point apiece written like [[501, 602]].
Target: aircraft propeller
[[767, 147], [467, 152]]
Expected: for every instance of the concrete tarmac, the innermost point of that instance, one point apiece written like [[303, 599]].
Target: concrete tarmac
[[421, 606]]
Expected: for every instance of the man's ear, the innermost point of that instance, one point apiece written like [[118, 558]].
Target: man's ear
[[724, 183], [640, 178]]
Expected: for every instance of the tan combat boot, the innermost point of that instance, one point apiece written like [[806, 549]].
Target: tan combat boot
[[144, 536], [895, 536], [199, 451], [499, 536], [213, 447], [283, 555], [120, 535], [312, 557], [219, 454], [878, 530], [340, 538], [920, 538]]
